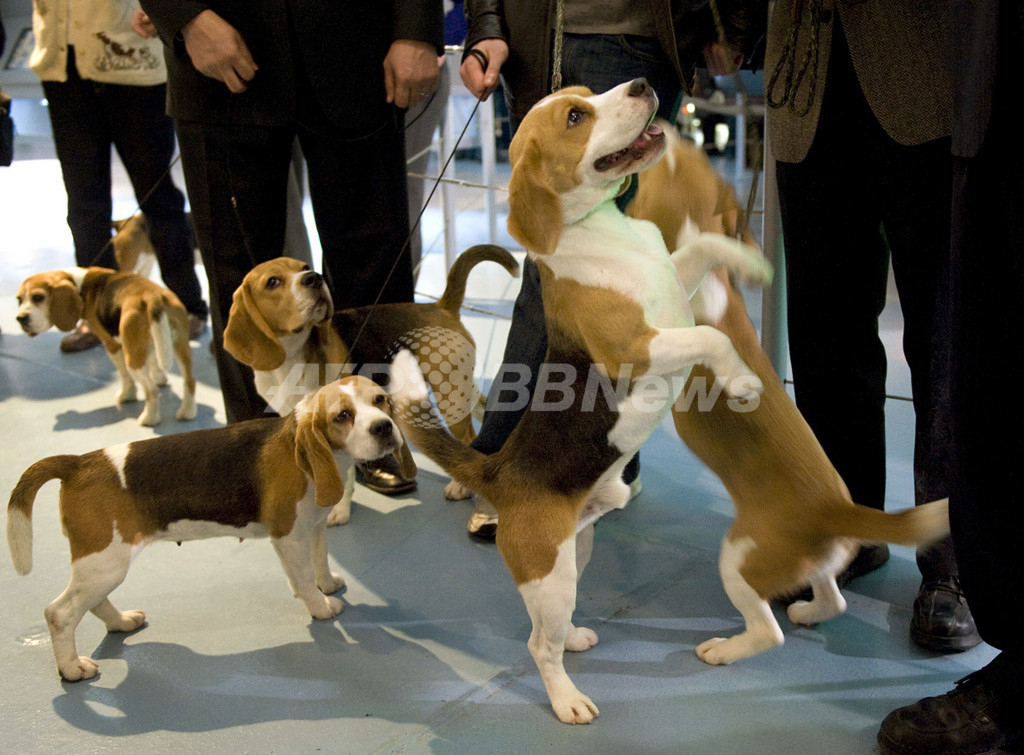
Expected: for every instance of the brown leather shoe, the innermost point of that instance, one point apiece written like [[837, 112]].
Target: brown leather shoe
[[79, 339]]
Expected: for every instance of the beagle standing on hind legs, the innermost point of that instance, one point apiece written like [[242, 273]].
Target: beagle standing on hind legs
[[621, 340]]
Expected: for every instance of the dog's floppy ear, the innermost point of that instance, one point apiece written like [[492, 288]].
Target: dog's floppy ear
[[534, 207], [66, 305], [314, 456], [247, 337]]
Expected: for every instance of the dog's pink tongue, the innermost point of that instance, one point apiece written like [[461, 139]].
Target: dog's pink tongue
[[639, 145]]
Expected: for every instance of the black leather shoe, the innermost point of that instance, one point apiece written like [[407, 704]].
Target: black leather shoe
[[942, 620], [383, 476], [868, 558], [981, 715]]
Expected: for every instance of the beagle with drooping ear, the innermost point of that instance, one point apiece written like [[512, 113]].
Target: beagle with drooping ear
[[275, 477], [142, 325], [621, 343], [796, 525], [283, 325]]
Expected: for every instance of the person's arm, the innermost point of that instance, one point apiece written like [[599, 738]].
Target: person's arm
[[410, 67], [215, 47], [488, 35]]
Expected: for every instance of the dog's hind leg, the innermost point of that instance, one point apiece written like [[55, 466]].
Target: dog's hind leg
[[127, 394], [826, 603], [762, 630], [550, 601], [138, 348], [183, 354], [93, 578], [582, 638]]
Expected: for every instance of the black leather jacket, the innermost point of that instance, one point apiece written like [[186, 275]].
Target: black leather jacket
[[683, 28]]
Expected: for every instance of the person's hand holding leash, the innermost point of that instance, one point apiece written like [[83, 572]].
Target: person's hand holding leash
[[410, 72], [480, 69]]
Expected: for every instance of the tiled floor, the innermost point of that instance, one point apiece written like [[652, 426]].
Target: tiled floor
[[430, 654]]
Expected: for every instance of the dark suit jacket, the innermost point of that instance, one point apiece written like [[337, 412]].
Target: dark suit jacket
[[898, 49], [339, 44]]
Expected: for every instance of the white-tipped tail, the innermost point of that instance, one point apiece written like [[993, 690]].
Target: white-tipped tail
[[163, 344], [19, 540]]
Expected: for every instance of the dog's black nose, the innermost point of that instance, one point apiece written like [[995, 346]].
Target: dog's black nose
[[640, 88], [22, 320], [312, 280], [381, 429]]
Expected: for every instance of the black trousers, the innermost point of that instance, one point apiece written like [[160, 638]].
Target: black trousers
[[88, 117], [237, 180], [858, 200], [987, 501]]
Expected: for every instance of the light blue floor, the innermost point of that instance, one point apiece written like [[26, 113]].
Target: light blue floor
[[430, 653]]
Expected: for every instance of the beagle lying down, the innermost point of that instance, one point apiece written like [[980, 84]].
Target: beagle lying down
[[283, 325], [275, 477], [795, 523], [142, 326], [621, 338]]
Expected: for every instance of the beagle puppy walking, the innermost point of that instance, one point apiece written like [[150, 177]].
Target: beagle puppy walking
[[622, 342], [795, 523], [283, 325], [275, 477], [142, 325]]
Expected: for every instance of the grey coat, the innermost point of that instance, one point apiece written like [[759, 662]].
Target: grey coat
[[898, 49]]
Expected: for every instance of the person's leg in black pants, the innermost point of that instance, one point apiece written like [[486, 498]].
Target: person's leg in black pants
[[236, 180], [82, 141], [145, 143], [357, 186]]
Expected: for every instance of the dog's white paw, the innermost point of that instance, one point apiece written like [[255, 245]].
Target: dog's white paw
[[340, 514], [127, 395], [187, 410], [712, 652], [150, 416], [580, 639], [127, 621], [81, 668], [456, 491], [574, 708], [331, 607], [332, 584]]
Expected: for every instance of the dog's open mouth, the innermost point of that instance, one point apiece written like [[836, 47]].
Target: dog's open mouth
[[650, 138]]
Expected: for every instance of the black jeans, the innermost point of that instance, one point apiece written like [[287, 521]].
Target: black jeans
[[88, 117]]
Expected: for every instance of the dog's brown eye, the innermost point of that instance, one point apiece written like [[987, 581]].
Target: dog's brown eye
[[344, 416], [273, 282], [380, 400], [38, 298], [575, 118]]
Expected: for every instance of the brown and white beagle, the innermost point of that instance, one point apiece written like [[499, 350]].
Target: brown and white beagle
[[275, 477], [795, 523], [621, 343], [142, 325], [283, 325]]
